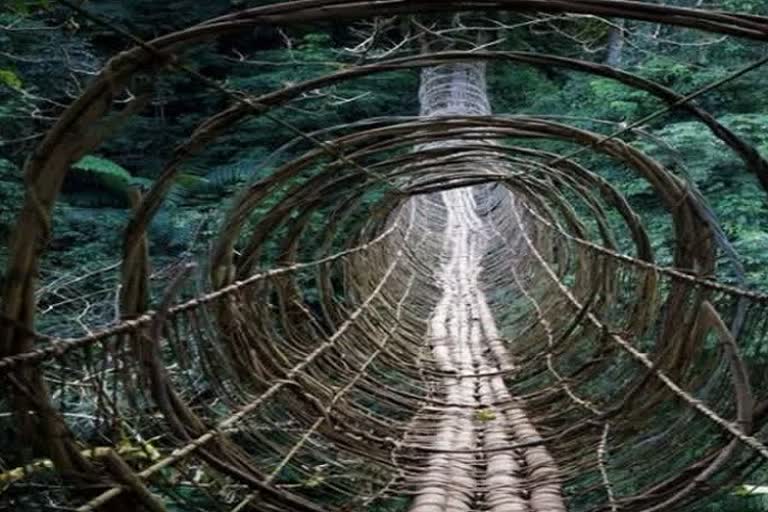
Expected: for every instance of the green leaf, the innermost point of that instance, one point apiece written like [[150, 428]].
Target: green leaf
[[103, 166], [104, 172], [485, 415], [10, 79], [315, 480], [190, 181]]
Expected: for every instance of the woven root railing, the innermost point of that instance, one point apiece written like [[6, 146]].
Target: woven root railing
[[477, 341]]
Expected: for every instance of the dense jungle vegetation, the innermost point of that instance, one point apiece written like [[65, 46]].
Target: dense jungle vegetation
[[47, 54]]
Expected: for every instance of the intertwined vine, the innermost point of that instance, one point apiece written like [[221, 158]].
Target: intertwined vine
[[478, 342]]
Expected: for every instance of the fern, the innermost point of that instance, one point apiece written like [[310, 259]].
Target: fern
[[105, 174], [185, 187], [110, 176]]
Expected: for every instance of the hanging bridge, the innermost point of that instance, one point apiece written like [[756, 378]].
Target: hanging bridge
[[479, 340]]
